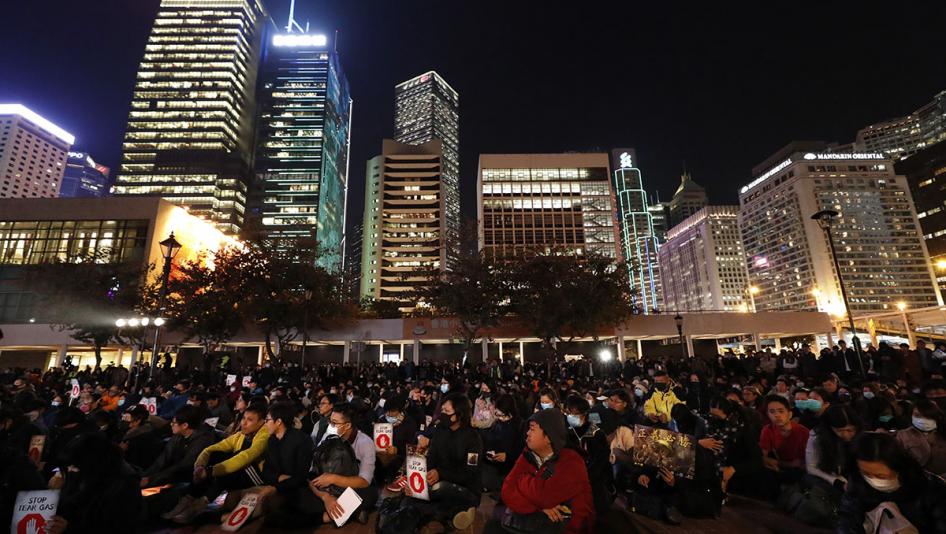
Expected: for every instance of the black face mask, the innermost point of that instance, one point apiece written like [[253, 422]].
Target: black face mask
[[660, 386]]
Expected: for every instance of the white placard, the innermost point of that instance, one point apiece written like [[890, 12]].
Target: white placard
[[349, 501], [246, 381], [37, 444], [151, 403], [74, 392], [417, 478], [241, 513], [212, 421], [230, 380], [383, 436], [33, 511]]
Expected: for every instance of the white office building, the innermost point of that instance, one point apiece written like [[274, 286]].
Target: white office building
[[33, 153]]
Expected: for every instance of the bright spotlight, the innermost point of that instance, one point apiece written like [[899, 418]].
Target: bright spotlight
[[133, 323], [159, 321], [145, 321], [605, 355], [120, 323]]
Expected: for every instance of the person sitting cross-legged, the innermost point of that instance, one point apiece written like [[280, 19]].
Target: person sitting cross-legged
[[231, 464]]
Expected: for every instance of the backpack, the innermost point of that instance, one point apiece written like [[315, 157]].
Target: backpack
[[336, 456]]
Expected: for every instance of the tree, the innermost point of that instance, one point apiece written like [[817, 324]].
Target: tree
[[380, 308], [85, 297], [561, 297], [473, 292]]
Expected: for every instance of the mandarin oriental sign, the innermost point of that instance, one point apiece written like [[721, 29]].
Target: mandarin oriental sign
[[842, 155]]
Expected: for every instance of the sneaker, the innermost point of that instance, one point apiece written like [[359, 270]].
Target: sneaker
[[398, 485], [464, 520], [190, 513], [672, 516], [181, 505]]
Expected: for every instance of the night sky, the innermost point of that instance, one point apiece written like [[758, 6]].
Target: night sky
[[717, 89]]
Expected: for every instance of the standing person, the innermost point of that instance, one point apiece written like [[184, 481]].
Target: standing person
[[885, 474], [549, 483]]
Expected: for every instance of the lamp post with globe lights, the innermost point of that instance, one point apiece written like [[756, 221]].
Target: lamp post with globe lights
[[169, 249], [678, 320], [825, 219]]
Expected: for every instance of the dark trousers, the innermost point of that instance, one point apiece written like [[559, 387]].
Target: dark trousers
[[304, 508], [772, 482], [213, 486], [446, 500]]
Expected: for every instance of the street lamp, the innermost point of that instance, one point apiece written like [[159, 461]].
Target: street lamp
[[305, 325], [169, 248], [825, 219], [752, 290], [678, 319]]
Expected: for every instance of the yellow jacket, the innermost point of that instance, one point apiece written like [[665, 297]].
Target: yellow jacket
[[231, 445], [661, 402]]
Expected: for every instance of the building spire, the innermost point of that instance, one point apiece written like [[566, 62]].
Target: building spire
[[292, 20]]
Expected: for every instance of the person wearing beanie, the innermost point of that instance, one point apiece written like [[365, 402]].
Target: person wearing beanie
[[549, 483]]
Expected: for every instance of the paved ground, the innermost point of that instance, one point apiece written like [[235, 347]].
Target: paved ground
[[740, 515]]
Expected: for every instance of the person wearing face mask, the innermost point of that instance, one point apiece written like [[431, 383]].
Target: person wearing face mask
[[502, 442], [811, 409], [392, 459], [586, 437], [885, 474], [657, 408], [697, 396], [925, 439], [141, 443], [16, 430], [320, 416], [547, 400]]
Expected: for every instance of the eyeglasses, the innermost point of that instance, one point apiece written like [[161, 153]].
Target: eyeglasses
[[268, 419]]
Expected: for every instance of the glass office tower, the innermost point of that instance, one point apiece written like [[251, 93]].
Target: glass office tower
[[302, 143], [190, 128]]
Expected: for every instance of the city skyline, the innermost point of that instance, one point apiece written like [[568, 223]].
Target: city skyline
[[692, 105]]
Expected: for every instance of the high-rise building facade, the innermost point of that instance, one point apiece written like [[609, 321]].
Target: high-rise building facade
[[426, 108], [702, 264], [538, 203], [689, 198], [660, 216], [189, 137], [926, 173], [637, 236], [33, 153], [302, 144], [404, 228], [84, 178], [903, 136], [880, 248]]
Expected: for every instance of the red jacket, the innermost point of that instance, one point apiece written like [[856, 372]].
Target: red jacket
[[529, 489]]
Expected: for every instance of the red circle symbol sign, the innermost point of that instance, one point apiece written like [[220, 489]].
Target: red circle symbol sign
[[238, 516], [383, 441], [417, 482], [31, 524]]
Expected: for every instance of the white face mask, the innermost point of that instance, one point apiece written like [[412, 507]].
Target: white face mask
[[331, 430], [444, 388], [923, 424], [882, 484], [546, 405]]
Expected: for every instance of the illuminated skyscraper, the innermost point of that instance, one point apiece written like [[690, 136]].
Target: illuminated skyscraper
[[638, 236], [425, 108], [33, 153], [877, 235], [689, 198], [903, 136], [190, 129], [301, 162], [84, 178]]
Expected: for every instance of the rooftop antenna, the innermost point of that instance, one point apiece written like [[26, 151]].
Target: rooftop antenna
[[292, 20]]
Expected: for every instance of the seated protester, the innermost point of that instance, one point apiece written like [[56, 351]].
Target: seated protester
[[345, 458], [752, 399], [108, 424], [885, 475], [697, 394], [141, 443], [783, 445], [16, 431], [453, 467], [810, 413], [738, 457], [420, 405], [483, 408], [752, 417], [662, 400], [219, 408], [286, 465], [70, 423], [99, 491], [549, 484], [546, 401], [925, 440], [702, 495], [587, 438], [621, 402], [175, 464], [827, 455], [231, 464], [321, 416], [502, 442], [390, 461]]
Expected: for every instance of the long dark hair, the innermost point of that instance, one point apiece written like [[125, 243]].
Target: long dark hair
[[883, 447], [833, 453], [462, 407]]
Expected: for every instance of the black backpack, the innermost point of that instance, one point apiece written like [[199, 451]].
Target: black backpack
[[336, 456]]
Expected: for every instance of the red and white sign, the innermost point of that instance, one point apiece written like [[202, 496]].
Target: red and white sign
[[246, 381], [417, 478], [151, 403], [230, 380], [383, 436], [241, 513], [33, 511], [74, 393], [37, 443]]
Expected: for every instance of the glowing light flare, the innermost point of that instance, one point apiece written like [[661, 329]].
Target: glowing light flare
[[296, 40], [901, 305], [35, 118]]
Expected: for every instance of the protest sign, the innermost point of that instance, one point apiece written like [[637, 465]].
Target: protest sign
[[417, 478], [151, 403], [241, 513], [383, 436], [656, 447], [33, 511]]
